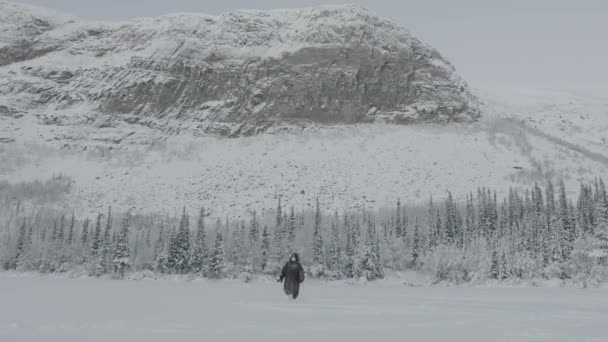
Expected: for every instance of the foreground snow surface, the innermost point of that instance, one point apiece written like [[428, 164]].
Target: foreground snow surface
[[61, 309]]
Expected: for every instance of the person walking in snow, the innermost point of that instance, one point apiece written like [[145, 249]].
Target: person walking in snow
[[292, 275]]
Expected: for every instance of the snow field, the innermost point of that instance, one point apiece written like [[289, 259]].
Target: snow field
[[36, 308]]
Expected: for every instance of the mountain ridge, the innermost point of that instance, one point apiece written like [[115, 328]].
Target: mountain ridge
[[239, 73]]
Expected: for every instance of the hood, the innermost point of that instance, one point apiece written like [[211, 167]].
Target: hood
[[294, 257]]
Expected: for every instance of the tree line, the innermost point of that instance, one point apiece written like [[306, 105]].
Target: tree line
[[539, 232]]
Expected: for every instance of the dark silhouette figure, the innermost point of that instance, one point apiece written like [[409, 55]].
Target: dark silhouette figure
[[293, 275]]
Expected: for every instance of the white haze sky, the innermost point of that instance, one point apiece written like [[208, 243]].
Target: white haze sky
[[515, 43]]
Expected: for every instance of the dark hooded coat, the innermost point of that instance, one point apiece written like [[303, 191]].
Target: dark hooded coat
[[292, 275]]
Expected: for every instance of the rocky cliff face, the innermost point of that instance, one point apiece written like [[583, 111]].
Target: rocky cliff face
[[238, 73]]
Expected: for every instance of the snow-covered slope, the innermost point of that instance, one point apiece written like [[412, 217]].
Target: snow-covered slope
[[515, 144], [236, 73]]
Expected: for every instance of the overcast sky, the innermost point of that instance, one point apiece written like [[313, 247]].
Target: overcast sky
[[508, 42]]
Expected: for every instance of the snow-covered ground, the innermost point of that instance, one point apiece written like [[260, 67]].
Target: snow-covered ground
[[36, 308]]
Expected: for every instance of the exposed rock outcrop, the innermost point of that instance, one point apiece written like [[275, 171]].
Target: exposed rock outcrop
[[246, 70]]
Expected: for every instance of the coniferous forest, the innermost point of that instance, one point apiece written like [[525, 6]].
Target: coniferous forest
[[537, 233]]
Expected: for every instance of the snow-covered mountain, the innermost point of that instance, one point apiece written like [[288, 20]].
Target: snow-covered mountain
[[124, 110], [237, 73]]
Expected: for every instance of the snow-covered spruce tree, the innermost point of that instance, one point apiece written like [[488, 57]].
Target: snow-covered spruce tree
[[27, 251], [334, 262], [254, 257], [550, 208], [377, 250], [254, 230], [148, 242], [553, 231], [234, 250], [60, 230], [121, 255], [171, 250], [556, 254], [285, 227], [368, 258], [460, 234], [247, 253], [30, 232], [603, 193], [105, 249], [179, 252], [21, 244], [265, 249], [584, 268], [277, 251], [359, 257], [279, 214], [493, 227], [538, 221], [239, 246], [503, 269], [469, 220], [488, 213], [566, 225], [451, 229], [393, 256], [54, 231], [160, 251], [415, 243], [404, 224], [398, 226], [438, 231], [495, 266], [586, 210], [217, 261], [198, 258], [109, 220], [291, 230], [45, 263], [482, 214], [430, 221], [96, 240], [502, 221], [318, 254], [573, 215], [601, 232], [43, 234], [70, 237], [349, 250], [84, 236]]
